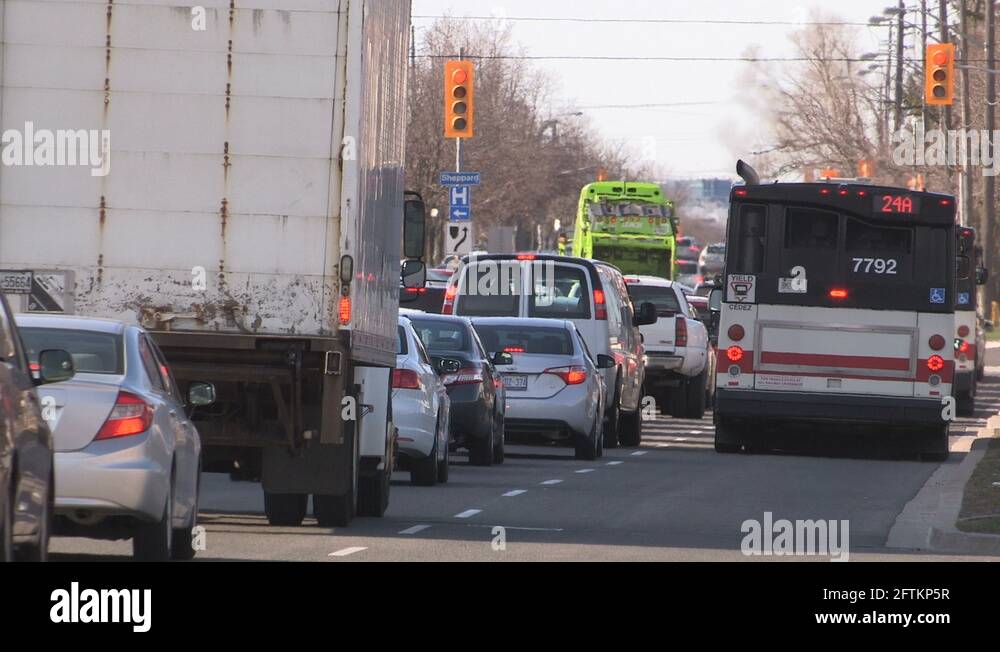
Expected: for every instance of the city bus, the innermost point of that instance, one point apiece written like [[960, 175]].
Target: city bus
[[836, 311], [968, 335], [631, 225]]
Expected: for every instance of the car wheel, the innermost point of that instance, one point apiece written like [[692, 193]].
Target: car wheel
[[373, 490], [424, 473], [728, 438], [442, 475], [499, 453], [285, 510], [696, 396], [7, 529], [481, 452], [586, 445], [600, 435], [152, 541], [183, 541], [611, 423], [630, 434], [39, 551]]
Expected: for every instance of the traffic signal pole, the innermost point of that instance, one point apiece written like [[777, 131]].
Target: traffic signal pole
[[989, 187]]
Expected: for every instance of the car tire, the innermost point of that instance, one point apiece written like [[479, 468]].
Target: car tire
[[611, 423], [630, 433], [39, 551], [499, 453], [586, 445], [285, 510], [728, 438], [481, 452], [677, 399], [695, 408], [7, 529], [183, 542], [965, 404], [152, 542], [424, 473], [373, 490], [443, 470]]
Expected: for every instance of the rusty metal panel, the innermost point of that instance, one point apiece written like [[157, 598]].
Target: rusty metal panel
[[225, 161]]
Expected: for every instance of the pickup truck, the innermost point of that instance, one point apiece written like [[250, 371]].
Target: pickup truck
[[678, 350]]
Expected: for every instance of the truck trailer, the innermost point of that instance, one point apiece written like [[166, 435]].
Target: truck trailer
[[239, 192]]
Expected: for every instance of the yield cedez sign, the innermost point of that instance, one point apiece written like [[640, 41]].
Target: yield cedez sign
[[741, 288]]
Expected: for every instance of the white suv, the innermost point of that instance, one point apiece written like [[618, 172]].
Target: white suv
[[589, 293], [678, 350]]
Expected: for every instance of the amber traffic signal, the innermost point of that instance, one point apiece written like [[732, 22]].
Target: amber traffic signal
[[459, 99], [939, 75]]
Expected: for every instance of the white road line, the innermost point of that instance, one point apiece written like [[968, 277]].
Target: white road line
[[415, 529], [638, 453], [522, 529], [551, 482], [585, 471], [346, 551], [516, 492], [469, 513], [614, 463]]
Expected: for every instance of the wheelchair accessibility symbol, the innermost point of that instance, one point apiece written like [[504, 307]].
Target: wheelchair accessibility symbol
[[937, 295]]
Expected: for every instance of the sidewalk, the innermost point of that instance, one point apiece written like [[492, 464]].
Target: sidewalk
[[928, 521]]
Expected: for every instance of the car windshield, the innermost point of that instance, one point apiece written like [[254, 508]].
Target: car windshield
[[531, 340], [439, 336], [93, 352]]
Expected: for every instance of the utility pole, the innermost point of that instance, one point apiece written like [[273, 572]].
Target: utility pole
[[943, 11], [989, 212], [900, 26], [968, 212]]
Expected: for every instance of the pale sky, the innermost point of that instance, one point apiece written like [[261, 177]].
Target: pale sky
[[686, 142]]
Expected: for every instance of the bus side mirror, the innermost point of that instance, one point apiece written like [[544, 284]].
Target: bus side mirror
[[982, 276], [715, 301], [414, 225]]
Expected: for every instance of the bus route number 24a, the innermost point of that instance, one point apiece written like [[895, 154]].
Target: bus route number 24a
[[876, 266]]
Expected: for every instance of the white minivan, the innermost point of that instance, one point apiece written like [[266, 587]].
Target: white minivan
[[589, 293]]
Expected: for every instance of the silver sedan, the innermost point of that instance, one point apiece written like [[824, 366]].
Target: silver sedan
[[554, 387], [127, 457]]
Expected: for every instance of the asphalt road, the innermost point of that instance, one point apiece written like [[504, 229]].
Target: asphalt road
[[673, 499]]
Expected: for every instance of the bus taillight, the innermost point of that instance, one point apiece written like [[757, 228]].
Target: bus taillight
[[736, 333], [936, 343], [963, 331], [735, 353], [935, 363], [839, 294]]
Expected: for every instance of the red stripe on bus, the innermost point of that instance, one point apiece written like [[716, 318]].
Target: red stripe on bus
[[844, 361]]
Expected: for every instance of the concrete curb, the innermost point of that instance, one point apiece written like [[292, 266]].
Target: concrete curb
[[928, 521]]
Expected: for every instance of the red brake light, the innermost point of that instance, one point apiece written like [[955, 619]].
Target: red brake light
[[740, 192], [946, 202], [735, 353], [936, 343], [824, 191], [681, 334], [964, 348], [130, 416], [526, 257], [935, 363], [963, 331], [838, 294], [569, 375], [345, 310], [405, 379], [448, 307], [600, 307], [736, 333], [416, 290], [514, 349], [34, 366]]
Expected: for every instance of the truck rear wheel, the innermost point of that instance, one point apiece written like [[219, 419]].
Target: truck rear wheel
[[695, 389], [285, 510], [373, 493], [334, 511]]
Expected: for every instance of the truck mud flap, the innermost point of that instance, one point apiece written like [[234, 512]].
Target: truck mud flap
[[316, 469]]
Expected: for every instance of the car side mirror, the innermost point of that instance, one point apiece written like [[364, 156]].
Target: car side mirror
[[414, 274], [503, 359], [646, 315], [447, 366], [201, 394], [605, 362], [982, 276], [55, 366]]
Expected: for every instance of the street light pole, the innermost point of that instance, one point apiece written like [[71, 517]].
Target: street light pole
[[989, 212], [898, 116], [968, 212]]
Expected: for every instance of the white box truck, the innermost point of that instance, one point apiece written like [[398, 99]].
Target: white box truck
[[230, 176]]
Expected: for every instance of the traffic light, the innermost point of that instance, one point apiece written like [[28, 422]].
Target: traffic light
[[939, 75], [459, 99]]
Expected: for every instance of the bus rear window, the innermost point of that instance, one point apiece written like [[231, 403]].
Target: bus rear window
[[869, 238], [810, 229], [749, 234]]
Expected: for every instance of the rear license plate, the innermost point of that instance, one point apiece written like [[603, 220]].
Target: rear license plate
[[516, 383], [15, 282]]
